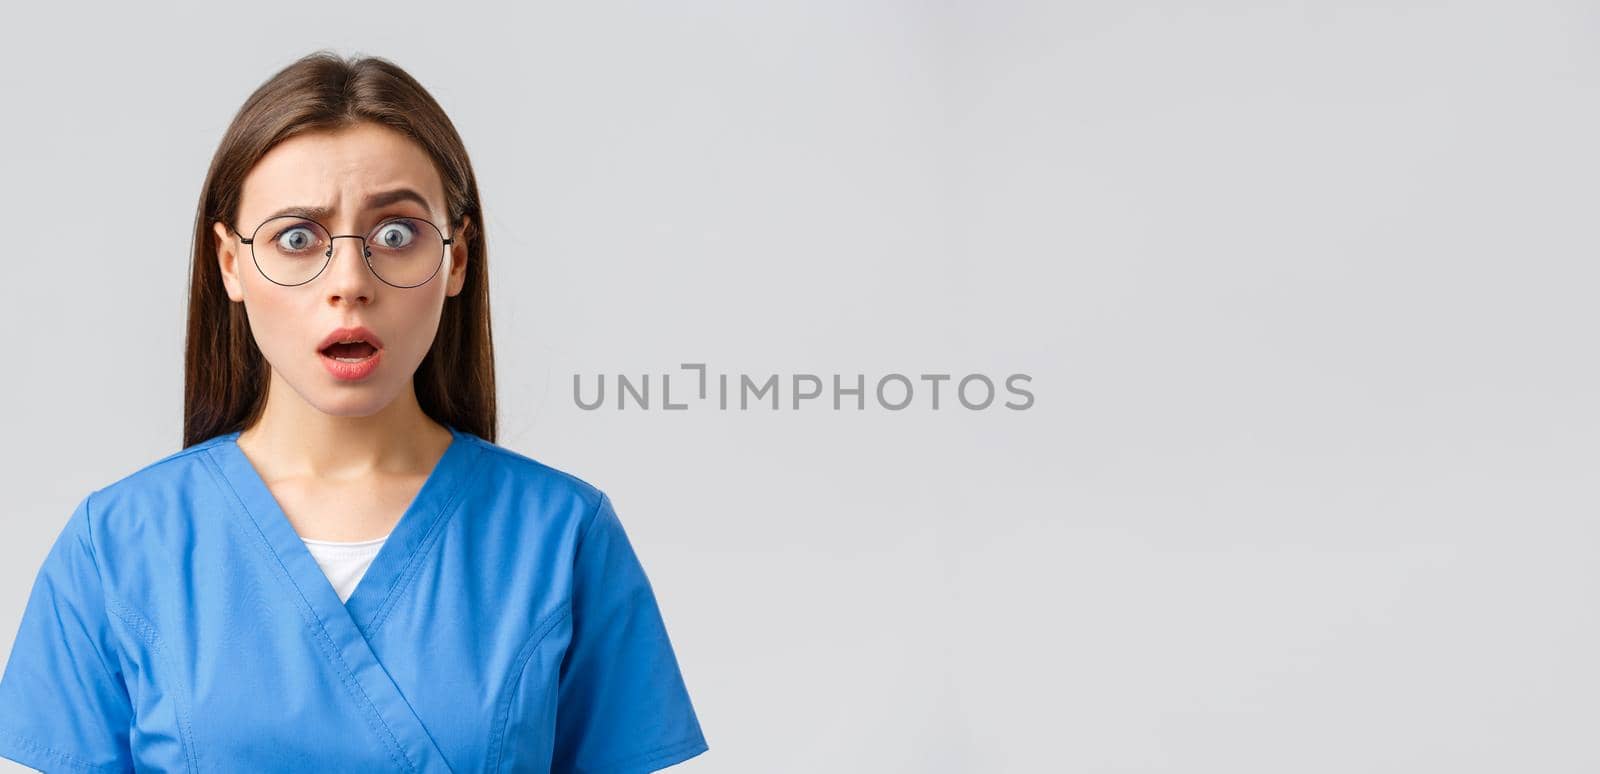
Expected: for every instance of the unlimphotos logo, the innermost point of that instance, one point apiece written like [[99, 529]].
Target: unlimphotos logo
[[892, 391]]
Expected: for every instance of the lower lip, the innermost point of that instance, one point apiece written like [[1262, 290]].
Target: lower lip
[[351, 372]]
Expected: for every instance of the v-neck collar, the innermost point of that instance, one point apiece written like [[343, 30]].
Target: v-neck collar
[[348, 626], [415, 531]]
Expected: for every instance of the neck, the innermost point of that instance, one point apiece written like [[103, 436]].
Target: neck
[[295, 439]]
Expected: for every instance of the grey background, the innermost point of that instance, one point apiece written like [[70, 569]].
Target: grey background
[[1306, 290]]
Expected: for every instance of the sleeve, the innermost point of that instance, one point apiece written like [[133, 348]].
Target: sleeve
[[622, 704], [63, 703]]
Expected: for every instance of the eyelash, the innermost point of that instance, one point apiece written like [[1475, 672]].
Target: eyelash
[[394, 214]]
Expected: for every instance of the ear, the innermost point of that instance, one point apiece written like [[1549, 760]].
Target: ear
[[228, 249], [458, 258]]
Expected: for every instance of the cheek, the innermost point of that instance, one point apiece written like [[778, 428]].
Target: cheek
[[273, 324], [420, 327]]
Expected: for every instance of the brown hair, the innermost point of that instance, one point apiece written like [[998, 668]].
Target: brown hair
[[225, 375]]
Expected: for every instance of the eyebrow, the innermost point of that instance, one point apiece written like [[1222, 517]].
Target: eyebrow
[[374, 201]]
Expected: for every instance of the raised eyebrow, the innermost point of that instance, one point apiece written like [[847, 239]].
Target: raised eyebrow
[[387, 198], [382, 199]]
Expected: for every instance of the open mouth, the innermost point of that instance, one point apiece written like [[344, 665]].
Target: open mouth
[[350, 351]]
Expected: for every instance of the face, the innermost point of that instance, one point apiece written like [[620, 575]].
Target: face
[[341, 171]]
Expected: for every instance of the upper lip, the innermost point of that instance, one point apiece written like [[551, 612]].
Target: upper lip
[[357, 333]]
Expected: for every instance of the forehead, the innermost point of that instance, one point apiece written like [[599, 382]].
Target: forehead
[[339, 169]]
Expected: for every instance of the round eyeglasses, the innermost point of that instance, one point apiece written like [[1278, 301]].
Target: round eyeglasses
[[293, 250]]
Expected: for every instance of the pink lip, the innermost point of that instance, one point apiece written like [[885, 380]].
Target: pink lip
[[350, 334], [351, 372]]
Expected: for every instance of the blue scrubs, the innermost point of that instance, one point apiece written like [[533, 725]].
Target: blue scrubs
[[179, 623]]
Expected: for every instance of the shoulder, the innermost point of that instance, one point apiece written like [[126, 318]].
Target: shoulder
[[158, 483], [162, 490], [508, 472]]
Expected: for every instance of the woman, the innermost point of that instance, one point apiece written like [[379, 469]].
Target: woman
[[340, 570]]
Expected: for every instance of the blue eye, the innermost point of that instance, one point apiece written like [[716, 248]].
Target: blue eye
[[297, 239], [395, 235]]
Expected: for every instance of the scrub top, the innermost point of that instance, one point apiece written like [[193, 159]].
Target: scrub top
[[179, 623]]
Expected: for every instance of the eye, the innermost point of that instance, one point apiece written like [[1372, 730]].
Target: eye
[[395, 235], [296, 239]]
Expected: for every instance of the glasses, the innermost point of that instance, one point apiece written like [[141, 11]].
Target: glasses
[[291, 250]]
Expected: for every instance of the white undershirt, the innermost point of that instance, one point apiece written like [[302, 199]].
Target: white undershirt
[[344, 562]]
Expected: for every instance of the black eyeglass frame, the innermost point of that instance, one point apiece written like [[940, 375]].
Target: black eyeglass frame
[[366, 252]]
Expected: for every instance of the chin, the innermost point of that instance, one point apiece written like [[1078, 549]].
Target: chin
[[346, 399], [357, 401]]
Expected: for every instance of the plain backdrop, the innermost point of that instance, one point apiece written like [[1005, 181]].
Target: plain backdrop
[[1306, 291]]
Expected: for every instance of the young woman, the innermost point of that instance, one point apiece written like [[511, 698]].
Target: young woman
[[341, 570]]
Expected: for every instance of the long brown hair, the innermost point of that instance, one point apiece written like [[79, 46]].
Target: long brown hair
[[225, 375]]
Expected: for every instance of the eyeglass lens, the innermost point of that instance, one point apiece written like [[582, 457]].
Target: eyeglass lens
[[291, 250]]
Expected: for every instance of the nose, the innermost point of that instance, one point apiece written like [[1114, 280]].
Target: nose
[[350, 279]]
